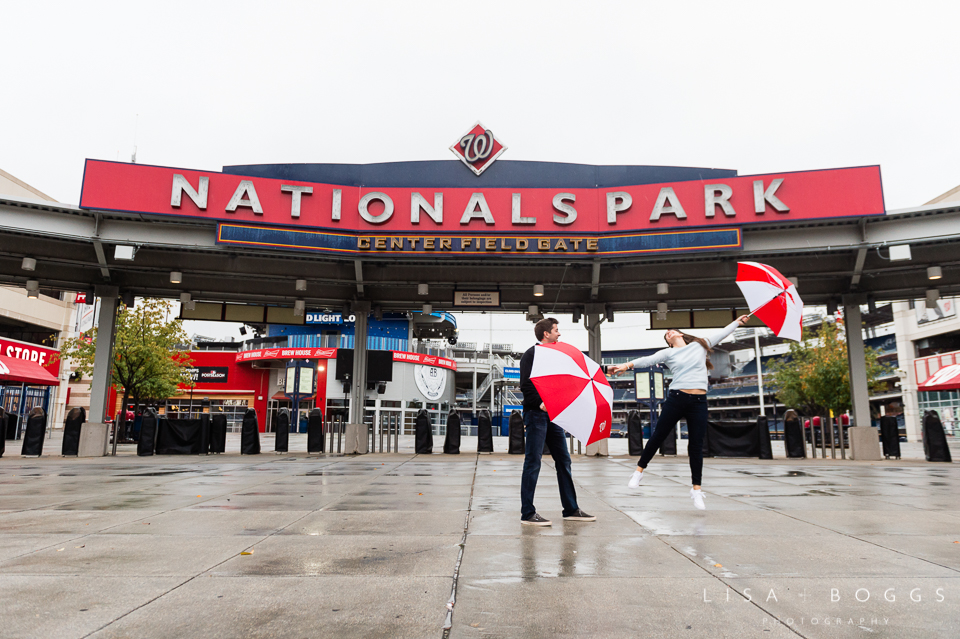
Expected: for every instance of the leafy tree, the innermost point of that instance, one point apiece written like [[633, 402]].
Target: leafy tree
[[814, 377], [148, 362]]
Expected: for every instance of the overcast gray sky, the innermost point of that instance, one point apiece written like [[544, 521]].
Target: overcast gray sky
[[753, 86]]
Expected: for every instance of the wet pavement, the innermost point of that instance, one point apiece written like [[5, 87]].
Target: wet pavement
[[375, 545]]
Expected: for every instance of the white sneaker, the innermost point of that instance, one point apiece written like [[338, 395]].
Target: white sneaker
[[635, 479], [697, 497]]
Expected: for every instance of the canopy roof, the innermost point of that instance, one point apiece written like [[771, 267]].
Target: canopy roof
[[25, 371], [947, 378]]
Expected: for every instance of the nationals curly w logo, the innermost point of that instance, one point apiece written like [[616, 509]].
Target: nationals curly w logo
[[478, 148]]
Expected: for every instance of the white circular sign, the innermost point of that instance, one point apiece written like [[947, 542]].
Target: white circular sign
[[431, 380]]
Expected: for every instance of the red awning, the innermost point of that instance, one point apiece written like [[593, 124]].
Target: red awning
[[25, 371], [947, 378]]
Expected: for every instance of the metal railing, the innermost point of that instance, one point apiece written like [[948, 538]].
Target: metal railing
[[388, 428]]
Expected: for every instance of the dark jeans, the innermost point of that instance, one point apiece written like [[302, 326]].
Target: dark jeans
[[680, 405], [539, 428]]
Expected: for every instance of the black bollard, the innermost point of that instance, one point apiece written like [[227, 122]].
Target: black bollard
[[315, 431], [517, 446], [793, 438], [71, 432], [934, 439], [451, 443], [35, 432], [634, 433], [763, 435], [218, 433], [484, 432], [148, 433], [423, 433], [250, 434], [890, 436], [283, 431]]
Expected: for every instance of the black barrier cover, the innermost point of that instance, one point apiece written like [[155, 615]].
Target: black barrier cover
[[484, 432], [634, 433], [517, 446], [250, 434], [423, 433], [283, 431], [793, 438], [178, 436], [71, 432], [13, 420], [3, 431], [451, 443], [763, 437], [934, 439], [34, 434], [315, 431], [205, 432], [218, 433], [890, 436], [733, 440], [669, 445], [148, 433]]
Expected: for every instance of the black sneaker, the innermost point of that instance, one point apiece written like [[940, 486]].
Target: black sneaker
[[579, 515], [536, 520]]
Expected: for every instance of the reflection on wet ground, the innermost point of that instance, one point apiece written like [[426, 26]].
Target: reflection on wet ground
[[187, 535]]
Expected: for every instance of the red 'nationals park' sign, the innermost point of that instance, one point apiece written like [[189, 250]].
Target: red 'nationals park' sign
[[369, 210]]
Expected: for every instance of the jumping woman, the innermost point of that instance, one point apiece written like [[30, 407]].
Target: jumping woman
[[688, 359]]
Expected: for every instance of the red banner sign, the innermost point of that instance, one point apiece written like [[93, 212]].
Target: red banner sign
[[426, 360], [760, 199], [32, 353]]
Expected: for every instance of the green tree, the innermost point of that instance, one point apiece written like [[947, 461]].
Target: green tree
[[148, 362], [814, 377]]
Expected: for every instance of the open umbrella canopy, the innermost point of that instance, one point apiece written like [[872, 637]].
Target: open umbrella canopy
[[574, 391], [772, 298]]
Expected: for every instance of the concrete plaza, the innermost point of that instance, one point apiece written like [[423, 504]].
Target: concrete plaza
[[374, 546]]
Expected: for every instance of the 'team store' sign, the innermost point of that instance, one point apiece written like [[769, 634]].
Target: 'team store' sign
[[581, 222]]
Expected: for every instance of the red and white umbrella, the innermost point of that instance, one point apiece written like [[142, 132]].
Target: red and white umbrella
[[574, 390], [771, 297]]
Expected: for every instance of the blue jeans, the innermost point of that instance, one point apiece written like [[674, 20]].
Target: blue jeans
[[680, 405], [540, 429]]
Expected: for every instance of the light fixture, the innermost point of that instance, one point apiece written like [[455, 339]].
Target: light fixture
[[176, 277], [33, 285], [184, 298], [533, 310], [794, 281], [243, 330], [427, 309], [301, 285], [124, 252], [933, 294], [298, 307], [190, 306], [608, 313], [663, 288], [832, 307], [661, 307], [34, 293], [538, 290], [576, 315], [28, 264], [933, 272], [423, 289]]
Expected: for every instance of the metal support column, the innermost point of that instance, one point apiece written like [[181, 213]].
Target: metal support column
[[102, 359], [593, 318], [856, 358], [356, 435]]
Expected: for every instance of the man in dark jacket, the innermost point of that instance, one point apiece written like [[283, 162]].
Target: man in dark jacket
[[540, 429]]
